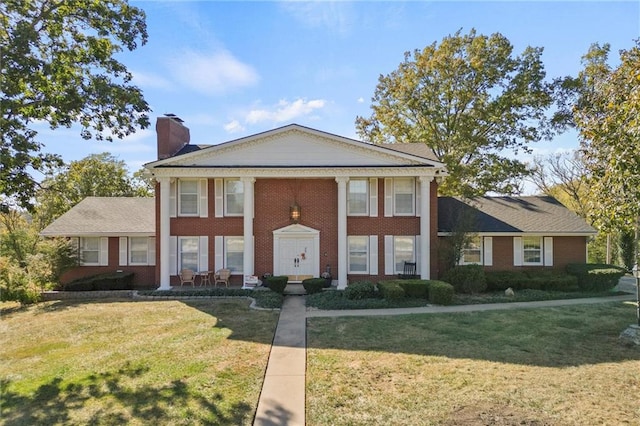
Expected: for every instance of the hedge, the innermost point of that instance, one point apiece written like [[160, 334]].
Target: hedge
[[530, 279], [360, 290], [314, 285], [467, 278], [391, 290], [102, 282], [596, 276], [440, 293], [415, 288], [278, 283]]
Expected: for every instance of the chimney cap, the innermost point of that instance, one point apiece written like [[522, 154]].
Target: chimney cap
[[174, 117]]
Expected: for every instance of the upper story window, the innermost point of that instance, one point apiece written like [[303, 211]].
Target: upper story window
[[404, 196], [472, 251], [188, 197], [233, 197], [358, 197], [532, 250]]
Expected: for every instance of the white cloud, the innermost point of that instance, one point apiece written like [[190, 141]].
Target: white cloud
[[284, 111], [212, 73], [360, 100], [334, 16], [149, 80], [234, 126]]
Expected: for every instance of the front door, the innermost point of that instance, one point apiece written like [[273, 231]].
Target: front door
[[297, 258]]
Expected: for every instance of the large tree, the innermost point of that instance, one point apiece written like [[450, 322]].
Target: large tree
[[607, 116], [471, 100], [97, 175], [58, 69]]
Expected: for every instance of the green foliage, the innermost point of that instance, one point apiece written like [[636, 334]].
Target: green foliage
[[469, 99], [467, 278], [277, 283], [391, 290], [440, 292], [102, 282], [596, 277], [531, 279], [314, 285], [15, 283], [97, 175], [336, 299], [360, 290], [628, 247], [59, 67], [412, 288]]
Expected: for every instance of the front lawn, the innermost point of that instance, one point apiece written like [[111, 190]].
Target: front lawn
[[552, 366], [124, 362]]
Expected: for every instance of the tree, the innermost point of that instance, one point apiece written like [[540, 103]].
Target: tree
[[470, 100], [58, 68], [607, 116], [97, 175]]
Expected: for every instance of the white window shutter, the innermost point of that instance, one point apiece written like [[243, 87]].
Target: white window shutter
[[75, 243], [487, 252], [389, 267], [517, 251], [373, 255], [418, 197], [373, 197], [203, 264], [548, 251], [104, 251], [151, 251], [219, 252], [173, 255], [388, 197], [173, 190], [204, 197], [122, 245], [417, 252], [219, 197]]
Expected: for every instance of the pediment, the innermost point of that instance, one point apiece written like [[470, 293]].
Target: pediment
[[295, 146], [295, 229]]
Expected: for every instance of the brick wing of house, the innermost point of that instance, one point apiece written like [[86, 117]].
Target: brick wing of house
[[293, 201]]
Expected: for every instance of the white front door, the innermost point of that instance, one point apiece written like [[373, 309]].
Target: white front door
[[296, 252]]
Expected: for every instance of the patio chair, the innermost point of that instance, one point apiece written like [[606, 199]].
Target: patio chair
[[222, 276], [187, 276], [409, 271]]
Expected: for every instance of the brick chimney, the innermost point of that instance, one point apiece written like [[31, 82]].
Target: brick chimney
[[172, 135]]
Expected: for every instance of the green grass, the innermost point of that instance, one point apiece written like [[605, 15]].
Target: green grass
[[123, 362], [555, 366]]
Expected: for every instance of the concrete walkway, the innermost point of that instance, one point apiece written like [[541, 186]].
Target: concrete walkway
[[282, 400]]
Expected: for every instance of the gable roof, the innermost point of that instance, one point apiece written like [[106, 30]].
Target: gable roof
[[107, 217], [295, 146], [511, 215]]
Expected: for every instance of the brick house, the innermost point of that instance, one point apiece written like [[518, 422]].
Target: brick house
[[297, 201]]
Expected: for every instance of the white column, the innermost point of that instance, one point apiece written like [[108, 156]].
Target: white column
[[342, 231], [165, 229], [248, 263], [425, 227]]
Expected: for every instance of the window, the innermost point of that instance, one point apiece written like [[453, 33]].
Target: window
[[138, 251], [403, 251], [404, 196], [188, 253], [233, 197], [358, 196], [234, 254], [358, 254], [532, 250], [188, 197], [90, 250], [472, 252]]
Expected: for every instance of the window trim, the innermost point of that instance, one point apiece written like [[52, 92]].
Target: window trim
[[367, 253], [81, 251], [395, 252], [540, 251], [225, 258], [366, 202], [197, 194], [480, 249], [225, 194], [179, 252], [130, 251], [413, 196]]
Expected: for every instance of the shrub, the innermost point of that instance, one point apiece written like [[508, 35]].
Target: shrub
[[595, 276], [15, 284], [415, 288], [467, 278], [278, 283], [440, 293], [360, 290], [102, 282], [550, 281], [502, 280], [314, 285], [391, 290]]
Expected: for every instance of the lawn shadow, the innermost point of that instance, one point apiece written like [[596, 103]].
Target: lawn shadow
[[52, 402], [547, 337]]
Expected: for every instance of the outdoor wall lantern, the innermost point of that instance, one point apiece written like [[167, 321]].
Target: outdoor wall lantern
[[294, 212]]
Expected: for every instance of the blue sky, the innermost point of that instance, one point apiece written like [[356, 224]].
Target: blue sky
[[231, 69]]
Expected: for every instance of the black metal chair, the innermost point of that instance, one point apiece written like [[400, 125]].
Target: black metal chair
[[409, 271]]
